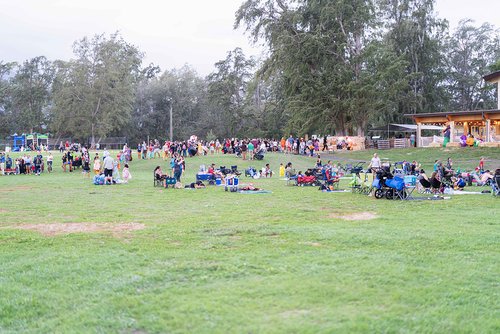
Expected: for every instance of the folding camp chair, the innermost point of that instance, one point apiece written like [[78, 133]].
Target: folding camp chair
[[157, 181], [170, 181], [495, 185]]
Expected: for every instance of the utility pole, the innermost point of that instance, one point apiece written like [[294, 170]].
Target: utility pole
[[171, 129]]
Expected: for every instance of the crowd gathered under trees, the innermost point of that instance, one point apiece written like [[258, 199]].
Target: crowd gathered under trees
[[355, 64]]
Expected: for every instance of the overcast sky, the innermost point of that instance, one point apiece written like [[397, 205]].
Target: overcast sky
[[170, 32]]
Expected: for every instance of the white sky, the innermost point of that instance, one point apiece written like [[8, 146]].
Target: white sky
[[170, 32]]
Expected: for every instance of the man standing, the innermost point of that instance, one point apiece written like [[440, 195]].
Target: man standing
[[289, 144], [375, 163], [446, 134], [108, 165], [37, 161], [251, 149], [178, 167], [412, 140]]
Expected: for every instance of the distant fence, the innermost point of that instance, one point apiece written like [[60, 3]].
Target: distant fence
[[112, 143], [55, 142], [5, 143], [386, 144], [383, 144], [400, 143]]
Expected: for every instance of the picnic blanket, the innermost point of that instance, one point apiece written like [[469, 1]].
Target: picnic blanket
[[260, 191], [433, 198]]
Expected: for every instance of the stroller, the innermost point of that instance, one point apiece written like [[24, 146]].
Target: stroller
[[383, 174], [259, 155]]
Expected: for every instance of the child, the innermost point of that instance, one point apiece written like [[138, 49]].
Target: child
[[267, 171], [318, 162], [119, 159], [282, 170], [126, 174], [459, 183], [97, 164]]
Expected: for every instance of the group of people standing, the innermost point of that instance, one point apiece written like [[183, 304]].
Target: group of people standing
[[26, 164]]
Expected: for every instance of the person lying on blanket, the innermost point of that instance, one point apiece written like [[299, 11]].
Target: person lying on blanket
[[250, 187], [196, 185]]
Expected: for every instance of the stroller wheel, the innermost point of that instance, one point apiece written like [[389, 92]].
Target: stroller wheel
[[379, 193], [389, 194]]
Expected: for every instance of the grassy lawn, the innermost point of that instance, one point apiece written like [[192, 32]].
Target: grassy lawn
[[203, 261]]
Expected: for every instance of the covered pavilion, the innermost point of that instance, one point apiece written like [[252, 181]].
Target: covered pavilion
[[483, 124]]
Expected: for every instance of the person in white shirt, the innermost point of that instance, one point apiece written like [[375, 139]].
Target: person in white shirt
[[108, 165], [375, 163], [50, 160]]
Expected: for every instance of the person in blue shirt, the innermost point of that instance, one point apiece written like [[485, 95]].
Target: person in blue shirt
[[8, 162]]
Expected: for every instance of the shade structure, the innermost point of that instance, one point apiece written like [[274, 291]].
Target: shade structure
[[405, 128]]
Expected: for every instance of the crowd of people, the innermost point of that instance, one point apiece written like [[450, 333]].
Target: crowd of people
[[247, 148], [116, 170]]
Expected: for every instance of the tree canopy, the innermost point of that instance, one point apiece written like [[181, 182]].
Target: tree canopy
[[330, 67]]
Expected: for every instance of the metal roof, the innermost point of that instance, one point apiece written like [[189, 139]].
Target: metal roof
[[405, 128], [455, 113], [491, 76]]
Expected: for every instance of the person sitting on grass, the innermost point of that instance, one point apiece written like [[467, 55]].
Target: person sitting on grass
[[289, 171], [266, 171], [470, 141], [458, 182]]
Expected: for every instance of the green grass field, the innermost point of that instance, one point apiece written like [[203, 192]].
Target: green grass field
[[151, 260]]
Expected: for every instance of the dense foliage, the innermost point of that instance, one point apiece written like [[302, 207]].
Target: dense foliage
[[331, 67]]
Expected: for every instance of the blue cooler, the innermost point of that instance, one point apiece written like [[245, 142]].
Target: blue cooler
[[410, 180], [218, 181]]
